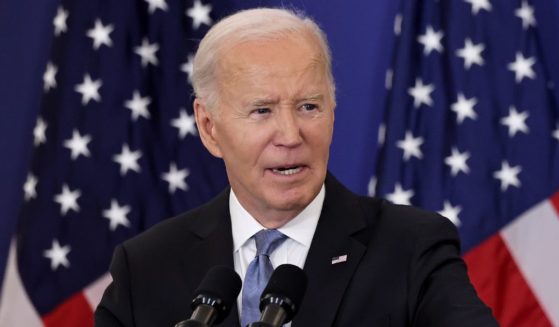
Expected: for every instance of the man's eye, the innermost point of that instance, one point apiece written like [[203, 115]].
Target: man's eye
[[261, 111], [309, 107]]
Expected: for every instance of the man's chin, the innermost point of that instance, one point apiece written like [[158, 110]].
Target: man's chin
[[293, 202]]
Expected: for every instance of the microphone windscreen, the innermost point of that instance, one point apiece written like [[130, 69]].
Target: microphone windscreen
[[289, 281], [221, 283]]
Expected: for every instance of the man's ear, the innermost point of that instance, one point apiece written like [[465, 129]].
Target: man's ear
[[206, 128]]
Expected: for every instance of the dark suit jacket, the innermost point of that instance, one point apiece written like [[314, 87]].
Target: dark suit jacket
[[403, 268]]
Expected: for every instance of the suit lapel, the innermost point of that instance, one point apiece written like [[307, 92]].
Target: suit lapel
[[327, 281], [213, 226]]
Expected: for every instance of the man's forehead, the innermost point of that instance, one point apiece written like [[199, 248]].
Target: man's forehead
[[242, 55], [269, 86], [268, 71], [257, 67], [239, 71]]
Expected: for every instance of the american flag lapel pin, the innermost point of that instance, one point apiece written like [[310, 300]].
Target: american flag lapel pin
[[339, 259]]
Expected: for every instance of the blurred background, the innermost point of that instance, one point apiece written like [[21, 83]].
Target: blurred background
[[449, 105]]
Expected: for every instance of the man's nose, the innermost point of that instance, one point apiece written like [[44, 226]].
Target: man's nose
[[288, 129]]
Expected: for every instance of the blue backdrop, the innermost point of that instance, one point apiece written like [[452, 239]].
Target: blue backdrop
[[360, 34]]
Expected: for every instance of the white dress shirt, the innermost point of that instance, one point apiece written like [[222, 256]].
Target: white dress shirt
[[299, 230]]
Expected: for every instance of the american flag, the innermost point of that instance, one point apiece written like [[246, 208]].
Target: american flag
[[115, 151], [471, 130]]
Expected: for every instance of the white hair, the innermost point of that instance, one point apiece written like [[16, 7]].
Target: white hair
[[248, 25]]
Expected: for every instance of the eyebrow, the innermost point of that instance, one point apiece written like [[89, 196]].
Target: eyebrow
[[263, 102], [312, 97], [270, 101]]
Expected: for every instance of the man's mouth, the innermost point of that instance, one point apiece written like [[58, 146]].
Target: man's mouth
[[286, 171]]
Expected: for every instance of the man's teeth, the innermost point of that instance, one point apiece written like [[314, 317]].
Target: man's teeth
[[289, 171]]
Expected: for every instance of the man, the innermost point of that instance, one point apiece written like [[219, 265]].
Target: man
[[265, 102]]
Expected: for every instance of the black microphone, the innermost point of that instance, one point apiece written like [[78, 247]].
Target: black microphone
[[282, 296], [214, 297]]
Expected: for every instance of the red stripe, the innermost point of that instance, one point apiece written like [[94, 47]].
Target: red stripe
[[500, 285], [555, 202], [73, 312]]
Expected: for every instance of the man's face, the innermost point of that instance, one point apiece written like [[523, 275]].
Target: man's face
[[272, 125]]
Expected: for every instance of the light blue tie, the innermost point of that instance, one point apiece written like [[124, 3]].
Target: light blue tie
[[258, 273]]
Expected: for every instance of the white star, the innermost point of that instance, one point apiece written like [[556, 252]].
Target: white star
[[400, 196], [526, 13], [471, 53], [68, 200], [508, 175], [477, 5], [138, 105], [522, 67], [78, 144], [187, 67], [89, 89], [117, 215], [100, 34], [410, 145], [39, 132], [200, 14], [147, 52], [128, 160], [515, 121], [451, 213], [556, 132], [457, 162], [185, 123], [57, 255], [464, 108], [176, 178], [431, 40], [59, 21], [156, 4], [49, 77], [421, 93], [30, 187]]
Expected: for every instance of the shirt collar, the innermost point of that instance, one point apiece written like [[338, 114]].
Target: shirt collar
[[300, 229]]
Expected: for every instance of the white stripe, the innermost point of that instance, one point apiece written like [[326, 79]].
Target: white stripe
[[398, 24], [15, 307], [533, 240], [388, 79], [94, 291]]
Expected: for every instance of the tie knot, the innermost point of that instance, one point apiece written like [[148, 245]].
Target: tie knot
[[267, 240]]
